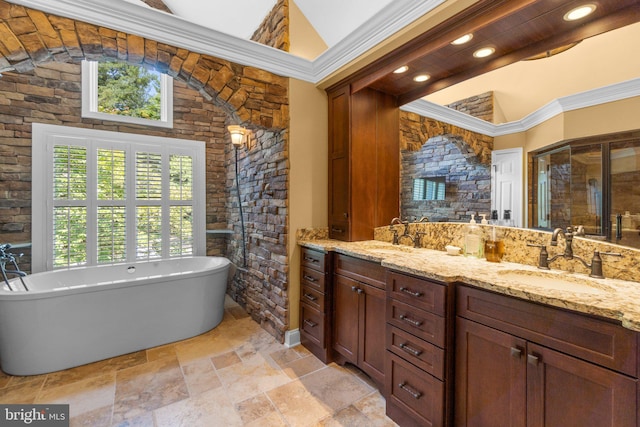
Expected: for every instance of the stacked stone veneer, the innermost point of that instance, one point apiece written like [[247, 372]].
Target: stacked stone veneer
[[430, 148], [39, 61], [274, 29]]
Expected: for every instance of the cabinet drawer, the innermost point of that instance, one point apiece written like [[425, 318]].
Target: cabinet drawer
[[312, 297], [420, 293], [371, 273], [424, 355], [312, 278], [593, 339], [414, 391], [423, 324], [313, 259], [312, 324]]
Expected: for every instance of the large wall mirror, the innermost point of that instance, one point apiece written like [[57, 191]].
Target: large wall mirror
[[574, 177]]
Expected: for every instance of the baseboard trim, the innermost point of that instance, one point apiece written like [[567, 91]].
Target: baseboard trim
[[292, 338]]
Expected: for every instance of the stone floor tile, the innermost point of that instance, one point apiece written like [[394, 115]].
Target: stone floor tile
[[82, 396], [347, 417], [251, 377], [226, 359], [80, 373], [254, 408], [211, 408], [200, 376], [297, 405], [144, 420], [24, 392], [100, 417], [336, 387], [144, 388], [303, 366]]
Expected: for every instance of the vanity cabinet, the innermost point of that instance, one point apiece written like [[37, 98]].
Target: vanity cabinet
[[419, 374], [358, 317], [315, 303], [364, 162], [523, 364]]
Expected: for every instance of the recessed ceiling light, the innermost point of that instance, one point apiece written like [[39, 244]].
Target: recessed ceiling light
[[421, 78], [462, 40], [484, 52], [401, 70], [579, 12]]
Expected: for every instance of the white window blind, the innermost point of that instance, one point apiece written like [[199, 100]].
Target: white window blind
[[103, 197]]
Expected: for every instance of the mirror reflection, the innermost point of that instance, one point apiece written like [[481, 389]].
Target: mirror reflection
[[596, 185]]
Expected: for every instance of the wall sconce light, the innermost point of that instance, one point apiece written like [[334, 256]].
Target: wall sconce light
[[237, 135]]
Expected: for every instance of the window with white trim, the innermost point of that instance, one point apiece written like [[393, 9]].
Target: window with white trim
[[122, 92], [104, 197]]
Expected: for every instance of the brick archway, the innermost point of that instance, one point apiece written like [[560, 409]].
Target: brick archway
[[250, 96], [416, 130]]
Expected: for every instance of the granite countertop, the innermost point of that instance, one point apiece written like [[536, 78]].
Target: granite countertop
[[609, 298]]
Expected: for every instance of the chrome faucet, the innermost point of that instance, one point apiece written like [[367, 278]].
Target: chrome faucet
[[8, 257]]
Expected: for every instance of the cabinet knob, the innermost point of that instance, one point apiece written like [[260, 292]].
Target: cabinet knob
[[310, 297], [410, 350], [346, 215], [310, 323], [516, 352], [410, 292], [415, 394], [533, 359], [410, 321]]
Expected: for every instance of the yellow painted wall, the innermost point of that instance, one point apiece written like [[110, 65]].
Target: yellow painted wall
[[308, 156]]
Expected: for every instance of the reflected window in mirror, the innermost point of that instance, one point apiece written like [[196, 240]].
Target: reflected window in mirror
[[429, 188], [596, 185]]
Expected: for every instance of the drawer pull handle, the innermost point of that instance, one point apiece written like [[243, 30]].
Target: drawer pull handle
[[410, 321], [310, 323], [308, 258], [337, 230], [415, 394], [356, 289], [516, 352], [532, 359], [410, 292], [411, 350], [310, 297], [309, 278]]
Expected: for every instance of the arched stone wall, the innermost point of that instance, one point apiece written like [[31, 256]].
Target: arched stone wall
[[249, 95], [37, 48]]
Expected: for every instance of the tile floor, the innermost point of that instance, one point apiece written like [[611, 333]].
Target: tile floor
[[234, 375]]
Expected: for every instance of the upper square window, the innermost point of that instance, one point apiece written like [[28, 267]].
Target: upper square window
[[122, 92]]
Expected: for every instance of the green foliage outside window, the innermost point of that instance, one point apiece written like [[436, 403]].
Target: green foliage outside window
[[128, 90]]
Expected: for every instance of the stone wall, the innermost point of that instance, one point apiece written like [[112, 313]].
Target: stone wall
[[430, 148], [39, 62], [274, 29]]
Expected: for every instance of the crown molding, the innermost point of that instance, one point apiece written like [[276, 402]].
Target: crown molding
[[166, 28], [170, 29], [591, 98], [391, 19]]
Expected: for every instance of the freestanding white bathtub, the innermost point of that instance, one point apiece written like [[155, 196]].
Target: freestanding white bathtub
[[76, 316]]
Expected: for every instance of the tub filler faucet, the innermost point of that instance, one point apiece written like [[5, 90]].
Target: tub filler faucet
[[10, 258]]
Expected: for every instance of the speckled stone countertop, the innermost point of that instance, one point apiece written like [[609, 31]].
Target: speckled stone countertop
[[610, 298]]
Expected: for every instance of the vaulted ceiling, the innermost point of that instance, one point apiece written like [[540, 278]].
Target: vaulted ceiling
[[516, 29]]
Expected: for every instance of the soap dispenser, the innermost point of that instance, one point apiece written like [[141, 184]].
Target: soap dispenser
[[473, 245]]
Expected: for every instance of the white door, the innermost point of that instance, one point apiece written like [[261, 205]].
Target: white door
[[506, 183]]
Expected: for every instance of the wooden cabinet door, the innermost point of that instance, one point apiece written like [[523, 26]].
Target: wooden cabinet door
[[339, 173], [345, 317], [568, 392], [490, 378], [372, 332]]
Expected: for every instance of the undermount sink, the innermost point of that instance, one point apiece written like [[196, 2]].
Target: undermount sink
[[559, 280]]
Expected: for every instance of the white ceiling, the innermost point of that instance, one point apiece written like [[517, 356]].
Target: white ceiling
[[349, 28], [333, 20]]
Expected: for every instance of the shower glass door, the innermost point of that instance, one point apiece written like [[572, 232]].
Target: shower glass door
[[625, 192]]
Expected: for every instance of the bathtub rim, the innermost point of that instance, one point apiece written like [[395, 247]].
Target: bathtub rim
[[6, 295]]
